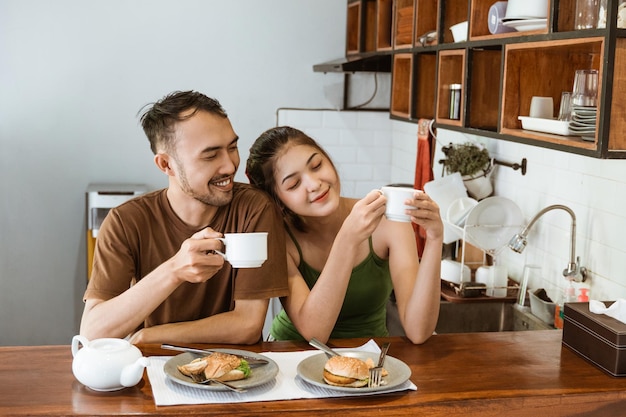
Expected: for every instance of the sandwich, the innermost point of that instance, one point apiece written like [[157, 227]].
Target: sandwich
[[346, 371], [218, 365]]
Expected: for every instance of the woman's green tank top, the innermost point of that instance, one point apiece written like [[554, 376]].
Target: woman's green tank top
[[363, 313]]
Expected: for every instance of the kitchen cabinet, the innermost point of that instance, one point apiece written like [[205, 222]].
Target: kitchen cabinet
[[498, 73]]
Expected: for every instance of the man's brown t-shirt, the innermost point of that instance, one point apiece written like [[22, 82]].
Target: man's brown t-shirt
[[139, 235]]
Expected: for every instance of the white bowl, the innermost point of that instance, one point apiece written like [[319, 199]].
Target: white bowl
[[526, 9], [459, 31]]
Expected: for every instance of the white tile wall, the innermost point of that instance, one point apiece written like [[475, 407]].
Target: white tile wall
[[359, 142], [370, 150]]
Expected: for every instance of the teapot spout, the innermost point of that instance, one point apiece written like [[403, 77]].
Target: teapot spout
[[132, 374]]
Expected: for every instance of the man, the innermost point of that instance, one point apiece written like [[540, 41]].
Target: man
[[155, 275]]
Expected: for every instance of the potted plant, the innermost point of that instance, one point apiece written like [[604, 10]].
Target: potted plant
[[473, 162]]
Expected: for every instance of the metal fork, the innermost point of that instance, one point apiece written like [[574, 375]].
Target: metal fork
[[376, 373], [199, 379]]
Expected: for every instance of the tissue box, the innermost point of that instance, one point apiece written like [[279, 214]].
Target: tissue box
[[596, 337]]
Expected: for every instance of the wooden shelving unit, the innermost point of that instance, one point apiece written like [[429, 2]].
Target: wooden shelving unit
[[499, 73]]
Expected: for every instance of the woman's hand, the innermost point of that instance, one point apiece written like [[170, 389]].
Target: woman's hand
[[365, 215], [426, 214]]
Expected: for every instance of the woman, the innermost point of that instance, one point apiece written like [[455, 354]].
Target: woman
[[344, 256]]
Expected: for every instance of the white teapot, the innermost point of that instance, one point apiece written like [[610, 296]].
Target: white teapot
[[107, 364]]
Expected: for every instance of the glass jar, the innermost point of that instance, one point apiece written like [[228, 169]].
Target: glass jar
[[621, 15], [455, 101], [602, 14], [586, 14]]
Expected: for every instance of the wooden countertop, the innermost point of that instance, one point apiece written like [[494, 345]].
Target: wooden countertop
[[472, 374]]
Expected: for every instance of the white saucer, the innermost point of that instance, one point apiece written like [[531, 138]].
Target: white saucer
[[525, 25]]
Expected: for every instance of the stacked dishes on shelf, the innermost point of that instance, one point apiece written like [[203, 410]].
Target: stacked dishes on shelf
[[584, 104], [526, 15], [583, 122]]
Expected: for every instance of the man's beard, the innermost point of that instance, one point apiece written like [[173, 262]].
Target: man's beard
[[217, 199]]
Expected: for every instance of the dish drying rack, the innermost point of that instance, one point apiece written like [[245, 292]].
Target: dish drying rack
[[473, 291]]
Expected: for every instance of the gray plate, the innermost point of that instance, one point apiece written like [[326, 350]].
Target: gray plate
[[311, 370], [260, 375]]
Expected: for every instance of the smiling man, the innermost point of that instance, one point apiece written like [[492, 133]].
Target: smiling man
[[155, 275]]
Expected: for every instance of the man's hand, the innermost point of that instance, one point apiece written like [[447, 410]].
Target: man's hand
[[195, 261]]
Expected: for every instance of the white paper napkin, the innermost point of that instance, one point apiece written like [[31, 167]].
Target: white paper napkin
[[617, 310], [286, 386]]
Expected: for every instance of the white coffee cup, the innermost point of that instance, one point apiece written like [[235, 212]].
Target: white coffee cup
[[396, 196], [542, 107], [245, 250]]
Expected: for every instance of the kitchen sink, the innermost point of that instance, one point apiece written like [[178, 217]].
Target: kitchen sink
[[490, 316], [476, 316]]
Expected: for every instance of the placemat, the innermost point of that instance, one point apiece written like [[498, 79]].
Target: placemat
[[287, 385]]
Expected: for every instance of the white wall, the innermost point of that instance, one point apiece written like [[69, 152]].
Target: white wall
[[74, 74]]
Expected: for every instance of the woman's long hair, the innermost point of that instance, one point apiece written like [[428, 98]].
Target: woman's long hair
[[261, 164]]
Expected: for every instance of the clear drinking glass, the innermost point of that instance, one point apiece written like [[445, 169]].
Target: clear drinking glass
[[531, 278], [565, 109], [585, 92]]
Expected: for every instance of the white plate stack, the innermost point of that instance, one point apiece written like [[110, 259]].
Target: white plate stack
[[583, 122]]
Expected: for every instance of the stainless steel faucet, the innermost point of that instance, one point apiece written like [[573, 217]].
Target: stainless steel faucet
[[573, 272]]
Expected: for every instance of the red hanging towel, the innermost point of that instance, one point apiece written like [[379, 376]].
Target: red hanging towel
[[423, 171]]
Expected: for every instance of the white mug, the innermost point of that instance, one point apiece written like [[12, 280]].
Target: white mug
[[541, 107], [396, 196], [244, 250]]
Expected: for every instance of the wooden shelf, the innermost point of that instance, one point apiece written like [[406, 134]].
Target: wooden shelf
[[353, 28], [484, 67], [544, 68], [424, 90], [499, 73], [384, 25], [401, 78], [451, 70], [370, 23], [453, 12], [403, 24], [426, 18], [479, 22]]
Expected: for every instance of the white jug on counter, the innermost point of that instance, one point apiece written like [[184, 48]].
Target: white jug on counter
[[107, 364]]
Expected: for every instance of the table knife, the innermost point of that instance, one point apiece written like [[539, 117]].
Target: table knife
[[252, 361]]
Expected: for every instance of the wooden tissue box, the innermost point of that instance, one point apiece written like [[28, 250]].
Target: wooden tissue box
[[596, 337]]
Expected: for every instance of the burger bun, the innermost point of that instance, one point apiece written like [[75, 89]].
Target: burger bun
[[346, 371]]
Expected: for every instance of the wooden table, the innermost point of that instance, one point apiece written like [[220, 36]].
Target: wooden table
[[473, 374]]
